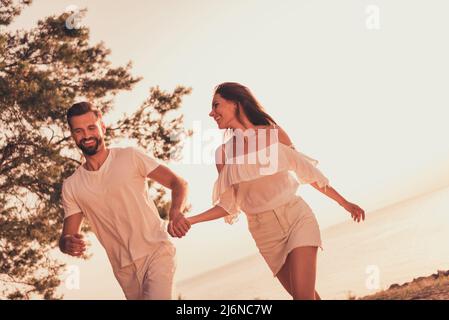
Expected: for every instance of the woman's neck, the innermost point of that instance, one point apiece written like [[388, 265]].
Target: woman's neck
[[244, 125]]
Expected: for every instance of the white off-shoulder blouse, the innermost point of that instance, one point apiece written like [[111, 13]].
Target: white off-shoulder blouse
[[263, 179]]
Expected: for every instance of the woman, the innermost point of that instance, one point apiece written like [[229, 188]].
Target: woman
[[282, 224]]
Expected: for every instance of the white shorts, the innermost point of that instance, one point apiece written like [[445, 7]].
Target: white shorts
[[150, 277]]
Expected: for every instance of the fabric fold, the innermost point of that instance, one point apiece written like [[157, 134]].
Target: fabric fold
[[276, 158]]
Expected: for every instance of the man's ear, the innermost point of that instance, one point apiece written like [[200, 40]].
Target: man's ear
[[103, 127], [71, 131]]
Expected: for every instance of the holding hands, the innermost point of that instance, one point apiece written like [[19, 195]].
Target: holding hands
[[178, 225]]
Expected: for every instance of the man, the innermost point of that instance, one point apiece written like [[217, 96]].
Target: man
[[109, 189]]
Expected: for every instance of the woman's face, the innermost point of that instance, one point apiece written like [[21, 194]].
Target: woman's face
[[223, 112]]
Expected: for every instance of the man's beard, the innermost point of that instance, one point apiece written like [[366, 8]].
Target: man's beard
[[92, 149]]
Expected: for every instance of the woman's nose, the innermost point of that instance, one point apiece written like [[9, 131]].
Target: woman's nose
[[211, 114]]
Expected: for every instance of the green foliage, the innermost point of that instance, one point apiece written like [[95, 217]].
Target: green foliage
[[43, 71]]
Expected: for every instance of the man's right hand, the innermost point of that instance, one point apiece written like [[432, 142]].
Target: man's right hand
[[178, 226], [73, 244]]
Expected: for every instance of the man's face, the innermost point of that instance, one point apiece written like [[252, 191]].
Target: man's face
[[88, 132]]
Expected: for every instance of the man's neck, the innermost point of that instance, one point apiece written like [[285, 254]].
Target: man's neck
[[93, 163]]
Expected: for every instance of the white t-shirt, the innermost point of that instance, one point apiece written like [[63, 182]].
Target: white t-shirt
[[116, 203]]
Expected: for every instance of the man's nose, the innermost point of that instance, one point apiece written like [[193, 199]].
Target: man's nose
[[86, 136], [211, 114]]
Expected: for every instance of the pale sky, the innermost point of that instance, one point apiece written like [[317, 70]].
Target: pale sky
[[369, 104]]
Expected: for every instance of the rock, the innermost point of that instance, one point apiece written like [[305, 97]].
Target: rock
[[419, 279], [394, 286]]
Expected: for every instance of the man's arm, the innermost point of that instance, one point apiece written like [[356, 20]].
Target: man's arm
[[71, 240], [179, 190]]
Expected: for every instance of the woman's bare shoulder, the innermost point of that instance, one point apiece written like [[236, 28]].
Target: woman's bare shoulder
[[281, 133], [284, 137]]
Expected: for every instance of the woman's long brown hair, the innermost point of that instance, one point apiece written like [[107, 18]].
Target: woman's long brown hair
[[240, 94]]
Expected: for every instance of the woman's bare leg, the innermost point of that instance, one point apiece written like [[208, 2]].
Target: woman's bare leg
[[302, 266], [284, 278]]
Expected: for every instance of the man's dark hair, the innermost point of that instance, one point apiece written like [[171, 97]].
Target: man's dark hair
[[81, 108]]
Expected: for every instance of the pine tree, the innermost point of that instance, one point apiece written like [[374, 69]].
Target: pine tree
[[43, 71]]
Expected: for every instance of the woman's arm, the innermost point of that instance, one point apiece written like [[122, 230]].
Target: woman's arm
[[330, 192], [214, 213], [356, 212], [217, 211]]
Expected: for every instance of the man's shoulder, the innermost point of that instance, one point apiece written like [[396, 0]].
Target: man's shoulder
[[124, 150], [124, 153], [131, 151], [70, 179]]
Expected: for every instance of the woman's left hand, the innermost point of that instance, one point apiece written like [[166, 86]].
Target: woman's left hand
[[356, 212]]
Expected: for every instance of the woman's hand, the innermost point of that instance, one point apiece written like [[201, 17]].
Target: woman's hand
[[178, 225], [356, 212]]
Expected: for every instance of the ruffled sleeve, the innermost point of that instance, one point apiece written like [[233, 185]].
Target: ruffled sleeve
[[286, 158], [305, 168], [228, 201]]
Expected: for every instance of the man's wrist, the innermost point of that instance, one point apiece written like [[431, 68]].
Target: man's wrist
[[62, 242], [173, 214]]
